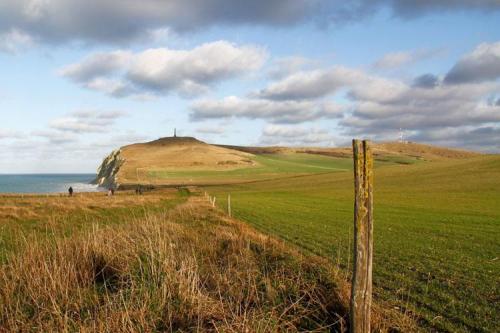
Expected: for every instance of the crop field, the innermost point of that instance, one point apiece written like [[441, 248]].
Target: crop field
[[270, 166], [437, 231]]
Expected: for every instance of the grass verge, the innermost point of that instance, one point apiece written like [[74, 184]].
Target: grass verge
[[185, 269]]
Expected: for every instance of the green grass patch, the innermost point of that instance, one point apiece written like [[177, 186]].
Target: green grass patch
[[268, 166], [437, 227]]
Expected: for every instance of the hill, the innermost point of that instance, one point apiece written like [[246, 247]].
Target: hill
[[175, 161], [132, 164], [381, 151]]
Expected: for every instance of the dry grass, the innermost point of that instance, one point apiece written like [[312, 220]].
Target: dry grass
[[22, 207], [188, 269], [177, 153], [381, 151]]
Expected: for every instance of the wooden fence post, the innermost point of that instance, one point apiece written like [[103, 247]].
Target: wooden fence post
[[361, 294], [229, 205]]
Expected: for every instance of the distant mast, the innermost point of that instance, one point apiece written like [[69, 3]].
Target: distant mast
[[401, 136], [175, 132]]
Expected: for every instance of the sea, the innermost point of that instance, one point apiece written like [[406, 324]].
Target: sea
[[47, 183]]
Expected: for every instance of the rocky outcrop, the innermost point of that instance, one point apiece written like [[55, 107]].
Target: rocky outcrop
[[108, 171]]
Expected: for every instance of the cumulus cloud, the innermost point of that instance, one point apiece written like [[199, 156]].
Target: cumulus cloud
[[161, 71], [56, 137], [84, 122], [398, 59], [319, 83], [286, 66], [311, 84], [123, 20], [426, 81], [482, 64], [61, 151], [14, 40], [9, 134], [279, 135], [484, 138], [118, 21], [274, 111], [97, 65], [377, 106], [422, 112]]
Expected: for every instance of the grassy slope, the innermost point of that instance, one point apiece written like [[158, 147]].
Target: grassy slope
[[175, 153], [437, 228], [270, 166]]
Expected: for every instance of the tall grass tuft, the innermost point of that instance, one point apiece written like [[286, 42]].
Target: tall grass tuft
[[189, 269], [185, 270]]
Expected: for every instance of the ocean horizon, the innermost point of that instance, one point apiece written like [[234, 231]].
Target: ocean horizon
[[47, 183]]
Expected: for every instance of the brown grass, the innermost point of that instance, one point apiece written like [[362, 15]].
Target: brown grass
[[37, 206], [380, 150], [177, 153], [188, 269]]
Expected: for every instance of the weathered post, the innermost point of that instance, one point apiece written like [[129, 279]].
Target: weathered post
[[213, 202], [229, 205], [361, 294]]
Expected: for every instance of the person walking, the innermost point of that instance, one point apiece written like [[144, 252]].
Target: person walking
[[70, 191]]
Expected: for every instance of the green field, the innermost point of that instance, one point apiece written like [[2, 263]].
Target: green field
[[269, 166], [437, 231]]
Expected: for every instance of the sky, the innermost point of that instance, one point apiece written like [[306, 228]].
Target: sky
[[80, 78]]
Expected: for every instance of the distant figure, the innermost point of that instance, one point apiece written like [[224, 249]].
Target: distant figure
[[70, 191], [112, 191]]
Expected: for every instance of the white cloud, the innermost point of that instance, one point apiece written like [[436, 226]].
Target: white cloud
[[86, 122], [403, 58], [161, 71], [286, 66], [97, 65], [279, 135], [319, 83], [378, 106], [481, 65], [311, 84], [14, 40], [275, 111], [9, 134]]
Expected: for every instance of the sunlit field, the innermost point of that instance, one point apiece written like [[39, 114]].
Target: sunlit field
[[437, 227]]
